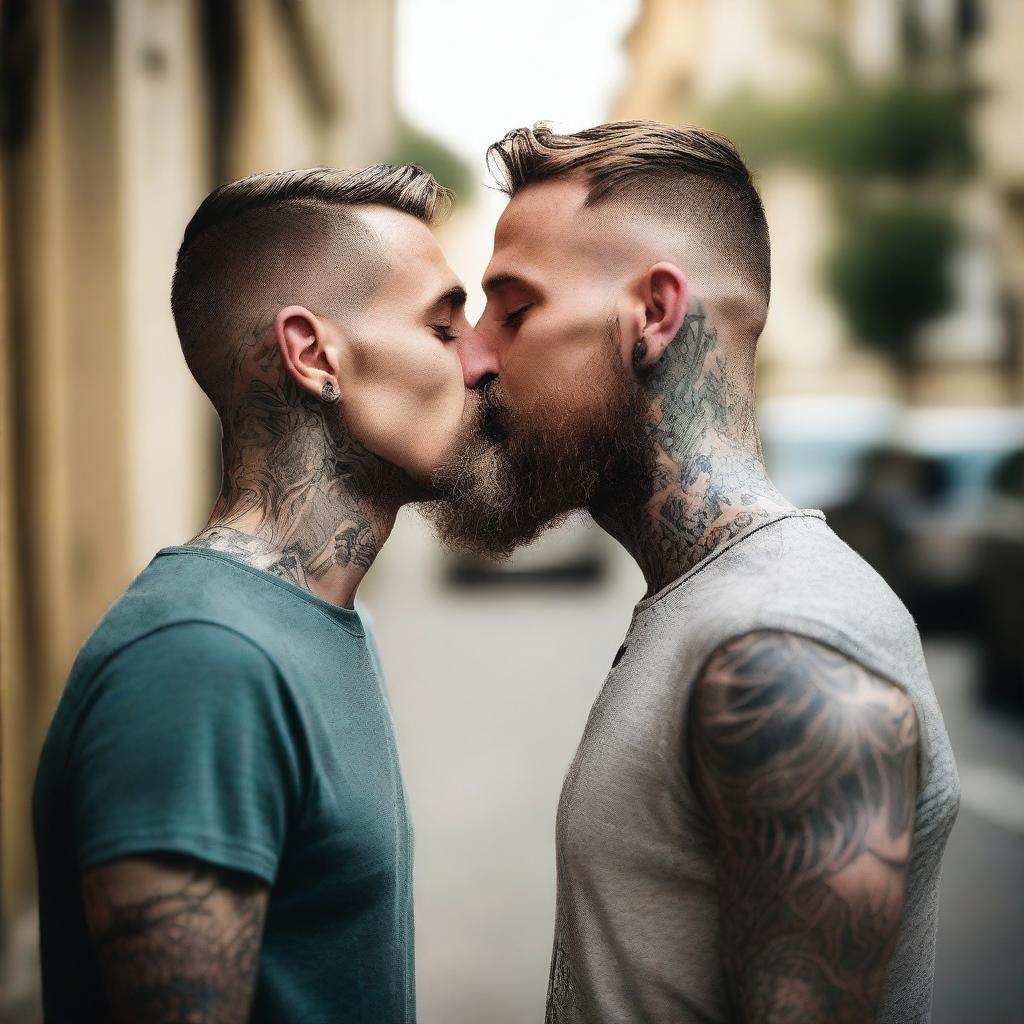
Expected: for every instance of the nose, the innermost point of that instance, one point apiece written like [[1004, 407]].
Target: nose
[[478, 356]]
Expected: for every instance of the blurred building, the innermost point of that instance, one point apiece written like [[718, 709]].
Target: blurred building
[[118, 117], [686, 56], [999, 72]]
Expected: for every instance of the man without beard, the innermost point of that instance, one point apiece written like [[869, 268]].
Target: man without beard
[[219, 814], [752, 827]]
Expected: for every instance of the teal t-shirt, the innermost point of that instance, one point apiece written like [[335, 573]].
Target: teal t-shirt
[[221, 712]]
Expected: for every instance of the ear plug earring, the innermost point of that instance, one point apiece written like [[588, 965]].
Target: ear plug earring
[[639, 350], [328, 394]]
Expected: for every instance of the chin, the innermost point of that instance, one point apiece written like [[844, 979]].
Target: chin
[[422, 470], [485, 504], [518, 473]]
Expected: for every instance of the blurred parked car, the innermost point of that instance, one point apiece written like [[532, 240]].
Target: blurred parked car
[[814, 444], [912, 490], [1001, 584]]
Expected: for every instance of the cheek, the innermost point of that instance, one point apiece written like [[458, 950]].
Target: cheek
[[552, 355], [406, 401]]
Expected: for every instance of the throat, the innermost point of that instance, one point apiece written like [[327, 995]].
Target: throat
[[326, 553], [313, 514], [693, 509]]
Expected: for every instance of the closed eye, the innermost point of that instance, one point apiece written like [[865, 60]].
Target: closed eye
[[444, 332], [515, 318]]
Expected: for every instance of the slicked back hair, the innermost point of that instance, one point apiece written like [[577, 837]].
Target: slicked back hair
[[689, 176], [260, 243]]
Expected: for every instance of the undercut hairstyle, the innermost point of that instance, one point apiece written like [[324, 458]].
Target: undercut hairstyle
[[264, 242], [685, 176]]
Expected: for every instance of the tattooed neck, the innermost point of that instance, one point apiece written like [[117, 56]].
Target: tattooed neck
[[300, 498], [708, 480]]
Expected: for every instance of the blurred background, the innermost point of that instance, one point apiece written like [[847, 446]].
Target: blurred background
[[888, 140]]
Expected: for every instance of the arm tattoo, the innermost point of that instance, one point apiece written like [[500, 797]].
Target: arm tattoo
[[177, 940], [807, 765]]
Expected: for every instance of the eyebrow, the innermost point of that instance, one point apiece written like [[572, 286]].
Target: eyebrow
[[498, 281], [455, 297]]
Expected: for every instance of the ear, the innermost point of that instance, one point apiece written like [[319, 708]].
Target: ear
[[664, 293], [306, 349]]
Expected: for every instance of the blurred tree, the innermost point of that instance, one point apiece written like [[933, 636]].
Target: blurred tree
[[899, 129], [891, 271], [415, 146], [883, 144]]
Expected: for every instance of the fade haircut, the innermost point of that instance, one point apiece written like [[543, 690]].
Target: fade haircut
[[264, 242], [684, 176]]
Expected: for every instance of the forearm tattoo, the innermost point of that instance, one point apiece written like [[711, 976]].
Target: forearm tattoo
[[807, 765], [176, 941]]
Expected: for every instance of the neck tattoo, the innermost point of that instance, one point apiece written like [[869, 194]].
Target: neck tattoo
[[708, 482], [300, 498]]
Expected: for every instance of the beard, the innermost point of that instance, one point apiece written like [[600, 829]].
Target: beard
[[520, 472]]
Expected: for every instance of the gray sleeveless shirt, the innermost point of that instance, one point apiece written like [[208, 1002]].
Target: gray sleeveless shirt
[[636, 931]]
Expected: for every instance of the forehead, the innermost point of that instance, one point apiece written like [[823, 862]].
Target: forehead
[[543, 216], [547, 229]]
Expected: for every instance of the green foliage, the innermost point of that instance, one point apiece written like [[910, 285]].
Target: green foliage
[[898, 129], [418, 147], [890, 271]]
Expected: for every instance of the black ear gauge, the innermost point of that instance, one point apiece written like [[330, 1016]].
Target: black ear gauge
[[639, 350]]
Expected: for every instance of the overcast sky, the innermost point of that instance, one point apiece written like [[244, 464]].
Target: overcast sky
[[469, 70]]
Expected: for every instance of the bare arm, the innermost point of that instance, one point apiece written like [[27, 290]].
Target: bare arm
[[177, 939], [807, 764]]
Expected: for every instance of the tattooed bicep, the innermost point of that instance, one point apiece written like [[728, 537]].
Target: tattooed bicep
[[807, 765], [176, 938]]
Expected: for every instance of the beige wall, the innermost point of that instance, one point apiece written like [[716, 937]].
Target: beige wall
[[276, 126], [64, 375], [364, 31], [163, 162], [686, 54], [998, 66], [342, 112]]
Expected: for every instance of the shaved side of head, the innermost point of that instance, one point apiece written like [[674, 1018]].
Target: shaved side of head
[[268, 241]]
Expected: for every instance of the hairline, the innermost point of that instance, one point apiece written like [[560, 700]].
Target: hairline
[[520, 164]]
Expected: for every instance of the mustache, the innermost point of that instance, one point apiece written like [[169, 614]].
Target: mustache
[[493, 413]]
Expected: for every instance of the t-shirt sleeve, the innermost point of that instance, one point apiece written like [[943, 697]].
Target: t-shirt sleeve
[[190, 743]]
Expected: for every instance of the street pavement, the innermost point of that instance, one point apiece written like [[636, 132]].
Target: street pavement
[[490, 690], [979, 977]]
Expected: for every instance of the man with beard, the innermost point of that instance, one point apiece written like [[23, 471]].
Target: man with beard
[[752, 827], [219, 814]]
